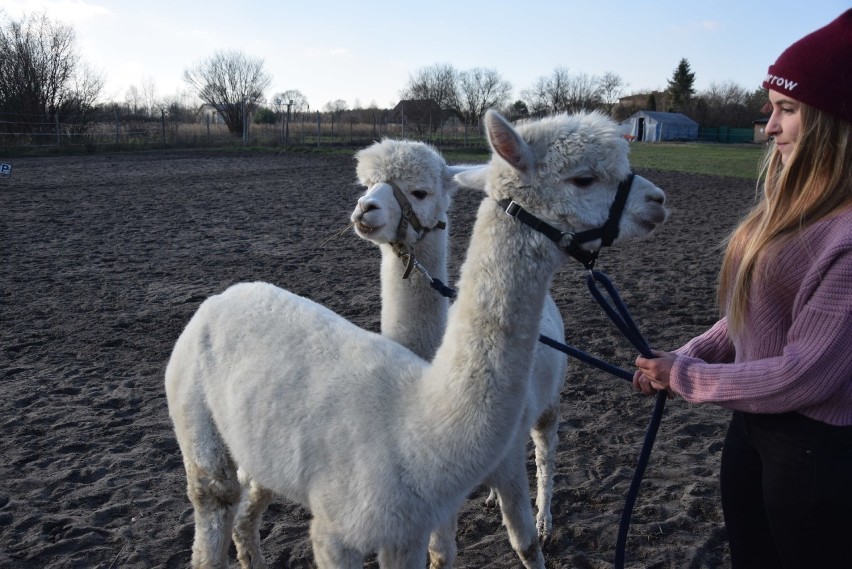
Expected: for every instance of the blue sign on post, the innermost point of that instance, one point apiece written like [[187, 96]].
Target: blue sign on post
[[5, 169]]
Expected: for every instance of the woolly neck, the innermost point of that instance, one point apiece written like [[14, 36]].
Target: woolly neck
[[478, 379], [413, 313]]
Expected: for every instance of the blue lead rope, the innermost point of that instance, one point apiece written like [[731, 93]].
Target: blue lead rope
[[620, 316], [571, 351], [442, 289], [618, 313]]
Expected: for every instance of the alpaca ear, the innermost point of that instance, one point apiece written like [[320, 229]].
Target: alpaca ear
[[450, 173], [472, 177], [459, 168], [508, 144]]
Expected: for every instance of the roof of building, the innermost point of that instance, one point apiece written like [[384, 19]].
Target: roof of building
[[660, 116]]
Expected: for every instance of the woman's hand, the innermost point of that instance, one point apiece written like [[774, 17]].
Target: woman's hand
[[653, 373]]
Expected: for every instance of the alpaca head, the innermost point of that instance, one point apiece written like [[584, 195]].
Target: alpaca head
[[565, 170], [419, 172]]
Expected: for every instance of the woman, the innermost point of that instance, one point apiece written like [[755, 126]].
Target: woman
[[781, 356]]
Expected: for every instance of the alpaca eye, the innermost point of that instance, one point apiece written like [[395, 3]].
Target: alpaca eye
[[583, 181], [419, 194]]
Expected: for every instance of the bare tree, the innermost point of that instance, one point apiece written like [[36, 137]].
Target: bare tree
[[335, 107], [554, 91], [133, 99], [149, 95], [536, 98], [300, 102], [549, 94], [143, 99], [481, 89], [582, 93], [437, 83], [562, 92], [41, 76], [611, 88], [231, 83], [727, 104]]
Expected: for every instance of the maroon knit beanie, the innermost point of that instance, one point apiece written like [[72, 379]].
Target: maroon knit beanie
[[817, 69]]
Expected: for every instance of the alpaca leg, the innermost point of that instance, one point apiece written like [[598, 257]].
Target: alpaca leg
[[412, 557], [545, 435], [491, 500], [329, 550], [211, 476], [214, 491], [442, 545], [513, 489], [254, 502]]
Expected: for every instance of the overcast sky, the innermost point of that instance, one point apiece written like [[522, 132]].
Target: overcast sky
[[365, 51]]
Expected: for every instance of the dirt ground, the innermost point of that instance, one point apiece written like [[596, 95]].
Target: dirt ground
[[106, 257]]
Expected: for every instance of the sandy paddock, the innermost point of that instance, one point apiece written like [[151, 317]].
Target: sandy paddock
[[105, 258]]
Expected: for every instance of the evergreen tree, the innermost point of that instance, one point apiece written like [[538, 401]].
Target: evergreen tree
[[652, 102], [681, 86]]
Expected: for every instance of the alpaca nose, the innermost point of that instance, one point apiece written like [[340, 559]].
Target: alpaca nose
[[367, 205], [657, 197]]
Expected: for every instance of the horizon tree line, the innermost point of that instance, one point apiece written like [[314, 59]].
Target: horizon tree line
[[41, 77]]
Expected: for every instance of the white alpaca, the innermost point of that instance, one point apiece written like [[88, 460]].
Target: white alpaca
[[379, 444], [414, 315]]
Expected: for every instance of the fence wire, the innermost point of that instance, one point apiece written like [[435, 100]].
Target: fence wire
[[29, 134]]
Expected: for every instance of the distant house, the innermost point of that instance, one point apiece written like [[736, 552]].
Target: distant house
[[424, 114], [420, 111], [760, 130], [637, 100], [654, 126]]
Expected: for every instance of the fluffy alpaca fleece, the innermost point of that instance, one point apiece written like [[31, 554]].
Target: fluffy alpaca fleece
[[379, 444], [413, 314]]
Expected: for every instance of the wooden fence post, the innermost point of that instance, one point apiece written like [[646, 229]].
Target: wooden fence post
[[58, 137], [287, 128], [245, 123]]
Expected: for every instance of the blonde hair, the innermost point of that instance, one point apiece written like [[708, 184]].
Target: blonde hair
[[815, 182]]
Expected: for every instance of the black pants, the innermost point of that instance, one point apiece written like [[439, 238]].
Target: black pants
[[787, 492]]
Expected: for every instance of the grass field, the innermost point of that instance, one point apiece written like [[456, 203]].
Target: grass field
[[738, 160]]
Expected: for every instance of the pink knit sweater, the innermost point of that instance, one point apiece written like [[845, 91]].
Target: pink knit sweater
[[795, 352]]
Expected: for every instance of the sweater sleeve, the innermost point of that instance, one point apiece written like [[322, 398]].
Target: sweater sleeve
[[813, 366], [713, 346]]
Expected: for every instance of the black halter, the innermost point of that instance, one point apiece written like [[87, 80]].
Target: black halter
[[570, 242]]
